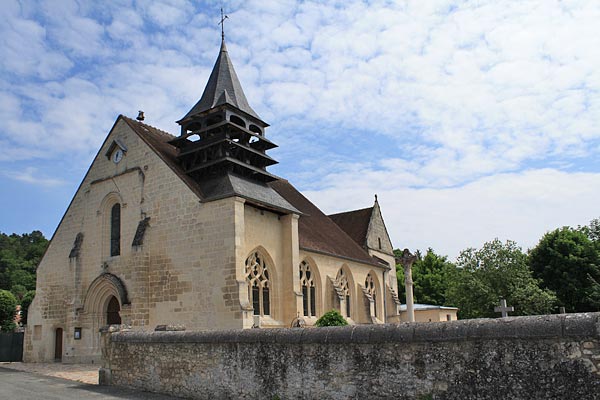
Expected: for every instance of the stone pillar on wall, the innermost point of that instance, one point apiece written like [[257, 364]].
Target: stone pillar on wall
[[104, 373], [407, 261], [240, 262], [291, 292]]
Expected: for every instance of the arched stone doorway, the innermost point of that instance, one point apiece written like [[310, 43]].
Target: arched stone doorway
[[105, 304]]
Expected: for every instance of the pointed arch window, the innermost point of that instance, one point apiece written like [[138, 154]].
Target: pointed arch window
[[259, 285], [342, 282], [307, 282], [115, 230], [371, 290]]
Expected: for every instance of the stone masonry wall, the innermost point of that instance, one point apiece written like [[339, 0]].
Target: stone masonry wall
[[542, 357]]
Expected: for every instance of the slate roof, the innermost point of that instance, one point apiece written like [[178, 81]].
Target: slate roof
[[355, 224], [317, 232], [223, 87]]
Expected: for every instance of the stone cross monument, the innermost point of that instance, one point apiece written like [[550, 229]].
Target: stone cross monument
[[503, 308], [407, 261]]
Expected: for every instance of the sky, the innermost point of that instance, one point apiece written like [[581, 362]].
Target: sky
[[471, 120]]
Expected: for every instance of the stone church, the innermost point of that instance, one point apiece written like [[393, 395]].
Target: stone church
[[193, 230]]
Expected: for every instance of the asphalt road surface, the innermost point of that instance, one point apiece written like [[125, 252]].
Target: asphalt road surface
[[18, 385]]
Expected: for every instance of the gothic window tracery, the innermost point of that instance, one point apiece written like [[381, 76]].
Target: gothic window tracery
[[257, 276], [342, 282], [307, 282], [371, 289]]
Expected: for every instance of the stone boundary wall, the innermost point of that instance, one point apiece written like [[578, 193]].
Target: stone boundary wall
[[541, 357]]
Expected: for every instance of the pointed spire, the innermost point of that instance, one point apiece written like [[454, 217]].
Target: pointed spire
[[223, 87]]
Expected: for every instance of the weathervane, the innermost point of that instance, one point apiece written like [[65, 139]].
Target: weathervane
[[222, 23]]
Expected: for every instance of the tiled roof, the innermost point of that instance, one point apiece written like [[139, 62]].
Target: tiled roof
[[317, 232], [355, 224], [223, 87]]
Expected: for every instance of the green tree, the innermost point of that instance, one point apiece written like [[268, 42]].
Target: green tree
[[8, 305], [400, 278], [592, 230], [431, 277], [331, 318], [25, 303], [19, 257], [567, 261], [19, 291], [496, 271]]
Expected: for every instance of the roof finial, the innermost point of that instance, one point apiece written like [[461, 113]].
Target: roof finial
[[222, 23], [375, 197]]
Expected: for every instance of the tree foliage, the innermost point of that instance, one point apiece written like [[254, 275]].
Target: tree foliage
[[19, 257], [8, 307], [431, 276], [331, 318], [592, 230], [567, 261], [496, 271]]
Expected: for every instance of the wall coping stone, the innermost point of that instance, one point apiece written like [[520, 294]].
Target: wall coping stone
[[582, 325]]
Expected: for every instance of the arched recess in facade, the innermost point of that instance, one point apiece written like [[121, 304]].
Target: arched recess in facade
[[101, 290], [372, 291], [260, 274], [310, 277], [345, 289], [105, 223]]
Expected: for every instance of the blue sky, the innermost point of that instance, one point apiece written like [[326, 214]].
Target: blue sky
[[470, 120]]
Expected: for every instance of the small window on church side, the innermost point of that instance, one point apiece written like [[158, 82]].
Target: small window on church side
[[379, 241], [257, 276], [308, 290], [115, 230]]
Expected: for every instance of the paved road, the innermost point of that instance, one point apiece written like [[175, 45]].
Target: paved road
[[18, 385]]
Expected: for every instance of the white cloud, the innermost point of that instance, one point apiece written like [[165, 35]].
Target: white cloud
[[520, 206], [23, 47], [32, 176]]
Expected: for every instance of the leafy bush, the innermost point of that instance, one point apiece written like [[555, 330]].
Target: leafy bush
[[331, 318], [8, 305]]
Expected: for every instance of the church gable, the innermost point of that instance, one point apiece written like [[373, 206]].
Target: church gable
[[366, 228], [377, 235]]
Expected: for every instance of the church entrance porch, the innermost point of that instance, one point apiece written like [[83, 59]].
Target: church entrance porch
[[106, 303]]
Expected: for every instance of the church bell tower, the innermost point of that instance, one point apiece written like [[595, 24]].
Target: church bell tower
[[222, 134]]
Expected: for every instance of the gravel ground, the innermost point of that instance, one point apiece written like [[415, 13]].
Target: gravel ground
[[85, 373]]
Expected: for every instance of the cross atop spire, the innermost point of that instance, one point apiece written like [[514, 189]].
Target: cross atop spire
[[222, 23]]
